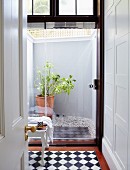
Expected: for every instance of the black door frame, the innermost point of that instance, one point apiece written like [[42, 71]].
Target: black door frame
[[100, 75], [99, 20]]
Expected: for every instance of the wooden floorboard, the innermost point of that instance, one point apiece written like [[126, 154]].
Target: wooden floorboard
[[101, 159], [62, 142]]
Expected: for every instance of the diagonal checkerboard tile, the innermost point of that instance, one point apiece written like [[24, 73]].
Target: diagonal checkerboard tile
[[64, 160]]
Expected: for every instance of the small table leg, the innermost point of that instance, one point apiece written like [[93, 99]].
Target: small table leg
[[43, 149], [47, 145]]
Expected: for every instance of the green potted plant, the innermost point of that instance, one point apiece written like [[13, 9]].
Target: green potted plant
[[50, 84]]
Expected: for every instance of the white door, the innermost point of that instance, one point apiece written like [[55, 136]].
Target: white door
[[13, 148]]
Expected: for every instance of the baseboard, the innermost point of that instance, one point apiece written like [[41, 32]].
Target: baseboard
[[109, 156]]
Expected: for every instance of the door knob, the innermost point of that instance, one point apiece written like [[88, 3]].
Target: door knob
[[27, 128], [32, 128], [90, 85], [95, 84]]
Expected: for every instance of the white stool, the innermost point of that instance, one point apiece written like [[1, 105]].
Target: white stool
[[44, 137]]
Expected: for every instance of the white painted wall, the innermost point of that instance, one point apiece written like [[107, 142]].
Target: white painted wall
[[94, 73], [70, 57], [30, 79], [116, 142]]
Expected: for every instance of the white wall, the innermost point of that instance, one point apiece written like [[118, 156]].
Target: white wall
[[116, 142], [94, 74], [70, 57], [30, 80]]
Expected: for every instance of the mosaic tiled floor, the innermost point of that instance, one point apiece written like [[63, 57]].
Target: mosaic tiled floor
[[64, 160], [74, 121], [71, 133]]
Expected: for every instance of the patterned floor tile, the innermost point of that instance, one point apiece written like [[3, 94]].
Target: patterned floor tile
[[64, 160]]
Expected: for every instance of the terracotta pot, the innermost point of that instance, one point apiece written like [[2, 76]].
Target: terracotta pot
[[40, 101]]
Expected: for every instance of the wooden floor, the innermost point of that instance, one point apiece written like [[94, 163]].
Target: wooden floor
[[37, 142], [100, 157]]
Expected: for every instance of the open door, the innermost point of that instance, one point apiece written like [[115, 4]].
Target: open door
[[13, 147], [65, 51]]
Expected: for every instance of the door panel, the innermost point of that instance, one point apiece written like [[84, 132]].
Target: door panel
[[15, 60], [109, 97], [121, 152], [110, 28], [13, 41], [109, 4], [121, 81], [121, 101], [121, 18]]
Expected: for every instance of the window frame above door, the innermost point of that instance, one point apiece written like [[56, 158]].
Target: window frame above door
[[94, 9], [55, 17]]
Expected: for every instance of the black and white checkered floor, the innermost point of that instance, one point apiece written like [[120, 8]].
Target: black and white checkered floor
[[64, 160]]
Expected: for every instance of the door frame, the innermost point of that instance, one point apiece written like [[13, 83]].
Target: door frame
[[100, 76], [99, 20]]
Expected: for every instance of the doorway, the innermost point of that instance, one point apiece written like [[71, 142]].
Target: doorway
[[71, 49]]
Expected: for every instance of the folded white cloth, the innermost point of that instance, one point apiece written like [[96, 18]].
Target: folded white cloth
[[46, 120]]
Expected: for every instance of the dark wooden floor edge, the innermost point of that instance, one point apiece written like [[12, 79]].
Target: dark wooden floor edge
[[39, 145], [91, 142], [102, 160]]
